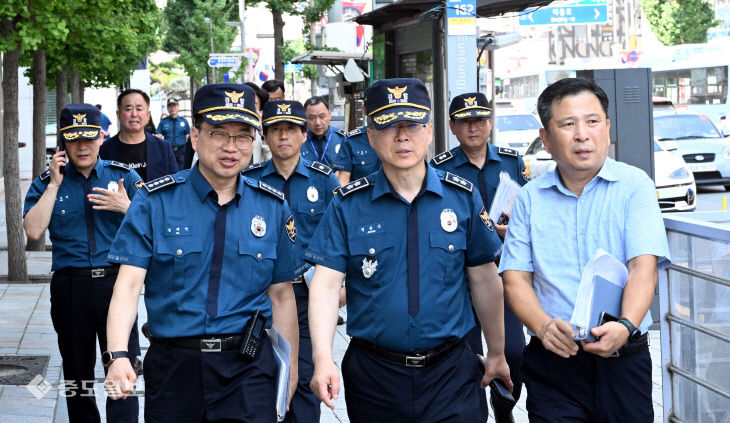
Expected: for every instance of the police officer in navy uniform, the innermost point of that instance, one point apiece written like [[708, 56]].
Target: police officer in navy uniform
[[481, 164], [82, 200], [175, 129], [406, 237], [308, 187], [215, 247], [356, 157], [323, 141]]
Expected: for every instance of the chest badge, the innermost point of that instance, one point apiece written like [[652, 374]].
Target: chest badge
[[369, 266], [448, 220], [312, 194], [182, 124], [113, 186], [258, 226]]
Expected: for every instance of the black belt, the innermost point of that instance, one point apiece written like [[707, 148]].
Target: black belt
[[412, 359], [213, 343], [91, 272]]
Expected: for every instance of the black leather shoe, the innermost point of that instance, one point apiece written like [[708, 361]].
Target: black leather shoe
[[501, 416]]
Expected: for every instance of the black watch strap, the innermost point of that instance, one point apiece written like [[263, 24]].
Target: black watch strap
[[109, 356], [634, 332]]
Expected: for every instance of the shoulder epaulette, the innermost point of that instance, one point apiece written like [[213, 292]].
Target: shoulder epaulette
[[443, 157], [354, 132], [45, 175], [161, 182], [271, 190], [342, 132], [353, 186], [253, 166], [321, 168], [119, 165], [458, 181], [507, 151]]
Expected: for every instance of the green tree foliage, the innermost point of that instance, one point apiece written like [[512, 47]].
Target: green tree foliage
[[679, 21], [189, 35]]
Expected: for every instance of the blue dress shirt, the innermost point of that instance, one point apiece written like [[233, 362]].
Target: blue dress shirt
[[174, 130], [553, 233], [367, 233], [82, 236], [356, 155], [323, 149], [174, 232]]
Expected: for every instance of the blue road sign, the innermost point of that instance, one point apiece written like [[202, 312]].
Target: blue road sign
[[574, 13], [224, 61]]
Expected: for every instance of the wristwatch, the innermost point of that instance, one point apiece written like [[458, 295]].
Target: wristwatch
[[108, 357], [634, 332]]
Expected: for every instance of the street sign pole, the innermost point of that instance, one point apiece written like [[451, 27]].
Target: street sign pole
[[461, 51]]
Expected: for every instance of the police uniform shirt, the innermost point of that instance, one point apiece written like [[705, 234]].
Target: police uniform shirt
[[330, 142], [308, 192], [171, 230], [81, 236], [174, 130], [364, 233], [356, 155], [486, 179], [553, 233]]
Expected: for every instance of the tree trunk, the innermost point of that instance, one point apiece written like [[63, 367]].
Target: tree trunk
[[82, 88], [39, 129], [278, 43], [61, 91], [17, 270], [193, 89], [75, 86]]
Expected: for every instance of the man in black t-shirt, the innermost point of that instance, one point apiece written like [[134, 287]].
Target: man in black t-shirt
[[150, 156]]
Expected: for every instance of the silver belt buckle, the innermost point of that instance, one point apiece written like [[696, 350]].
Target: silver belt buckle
[[210, 345], [97, 273], [415, 361]]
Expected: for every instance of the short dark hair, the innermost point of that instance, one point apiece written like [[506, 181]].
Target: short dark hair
[[272, 85], [313, 101], [563, 88], [262, 94], [132, 91], [98, 106]]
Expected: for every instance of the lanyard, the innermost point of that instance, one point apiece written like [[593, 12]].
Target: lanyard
[[324, 150]]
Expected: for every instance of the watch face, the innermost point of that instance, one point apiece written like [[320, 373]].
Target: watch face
[[106, 358]]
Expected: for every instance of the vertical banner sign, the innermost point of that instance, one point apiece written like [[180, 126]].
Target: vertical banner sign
[[461, 50]]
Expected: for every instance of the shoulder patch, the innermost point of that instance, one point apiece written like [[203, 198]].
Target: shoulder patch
[[443, 157], [271, 190], [342, 132], [354, 132], [253, 166], [458, 181], [139, 184], [353, 186], [507, 151], [159, 183], [45, 175], [321, 168], [120, 165]]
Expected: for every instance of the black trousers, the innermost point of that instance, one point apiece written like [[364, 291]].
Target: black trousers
[[514, 344], [380, 391], [586, 387], [184, 385], [179, 153], [79, 307], [305, 406]]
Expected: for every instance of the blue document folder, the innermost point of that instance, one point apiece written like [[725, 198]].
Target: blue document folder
[[606, 297]]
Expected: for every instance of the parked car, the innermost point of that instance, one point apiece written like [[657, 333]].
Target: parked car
[[702, 146], [675, 184], [515, 129]]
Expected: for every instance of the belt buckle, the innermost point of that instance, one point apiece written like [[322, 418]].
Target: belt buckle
[[616, 354], [210, 345], [97, 273], [415, 361]]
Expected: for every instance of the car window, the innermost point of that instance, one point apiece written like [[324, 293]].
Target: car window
[[517, 122], [683, 127], [535, 147]]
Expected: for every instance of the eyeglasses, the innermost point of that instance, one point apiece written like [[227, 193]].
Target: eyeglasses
[[220, 140], [411, 129]]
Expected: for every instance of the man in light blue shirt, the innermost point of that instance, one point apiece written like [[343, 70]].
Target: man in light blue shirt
[[558, 222]]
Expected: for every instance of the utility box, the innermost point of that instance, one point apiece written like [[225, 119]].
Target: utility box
[[630, 111]]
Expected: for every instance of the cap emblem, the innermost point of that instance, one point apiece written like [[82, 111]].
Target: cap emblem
[[397, 95], [283, 109], [234, 97], [469, 101], [80, 119]]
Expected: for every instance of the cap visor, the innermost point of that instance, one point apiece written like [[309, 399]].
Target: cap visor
[[276, 119], [471, 113], [397, 114], [218, 117], [71, 135]]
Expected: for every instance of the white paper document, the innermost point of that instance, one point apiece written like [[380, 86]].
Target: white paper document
[[607, 267], [504, 197], [282, 352]]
